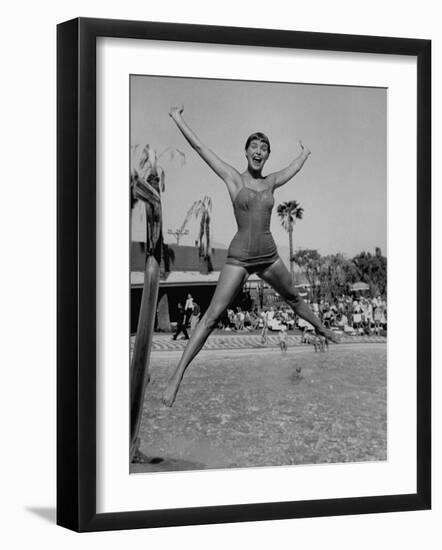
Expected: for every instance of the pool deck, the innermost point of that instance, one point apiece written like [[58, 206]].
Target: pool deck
[[246, 340]]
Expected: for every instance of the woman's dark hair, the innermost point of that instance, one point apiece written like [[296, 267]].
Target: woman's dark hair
[[260, 137]]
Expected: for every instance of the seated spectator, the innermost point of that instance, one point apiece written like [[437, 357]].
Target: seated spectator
[[342, 321], [240, 317]]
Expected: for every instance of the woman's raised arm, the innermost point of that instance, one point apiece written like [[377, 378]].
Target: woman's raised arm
[[283, 176], [221, 168]]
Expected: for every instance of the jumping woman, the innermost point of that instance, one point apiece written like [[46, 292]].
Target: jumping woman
[[253, 249]]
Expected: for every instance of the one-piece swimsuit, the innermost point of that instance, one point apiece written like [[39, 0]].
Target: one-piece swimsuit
[[253, 246]]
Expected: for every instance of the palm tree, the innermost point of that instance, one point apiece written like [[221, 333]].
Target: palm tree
[[147, 180], [202, 209], [289, 212]]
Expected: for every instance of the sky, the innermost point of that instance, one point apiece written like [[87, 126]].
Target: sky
[[342, 187]]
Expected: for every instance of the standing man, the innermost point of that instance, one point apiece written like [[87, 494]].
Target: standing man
[[181, 323], [265, 315], [283, 338], [188, 308]]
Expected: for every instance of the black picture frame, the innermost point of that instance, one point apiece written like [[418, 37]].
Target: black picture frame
[[76, 274]]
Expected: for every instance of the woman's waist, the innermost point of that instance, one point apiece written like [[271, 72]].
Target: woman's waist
[[253, 237], [253, 242], [255, 233]]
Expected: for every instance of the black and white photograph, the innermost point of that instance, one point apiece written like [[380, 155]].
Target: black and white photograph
[[220, 280], [258, 274]]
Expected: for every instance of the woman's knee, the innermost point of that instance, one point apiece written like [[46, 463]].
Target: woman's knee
[[293, 298], [211, 318]]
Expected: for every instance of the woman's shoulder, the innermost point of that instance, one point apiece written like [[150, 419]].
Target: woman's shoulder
[[270, 180]]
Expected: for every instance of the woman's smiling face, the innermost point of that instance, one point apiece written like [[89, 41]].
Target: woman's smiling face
[[257, 154]]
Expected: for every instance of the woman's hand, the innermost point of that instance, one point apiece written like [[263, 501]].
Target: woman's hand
[[176, 112], [304, 150]]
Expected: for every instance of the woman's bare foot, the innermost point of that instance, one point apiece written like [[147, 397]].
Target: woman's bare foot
[[330, 335], [170, 392]]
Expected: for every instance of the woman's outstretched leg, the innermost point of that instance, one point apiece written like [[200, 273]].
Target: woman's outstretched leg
[[278, 277], [231, 280]]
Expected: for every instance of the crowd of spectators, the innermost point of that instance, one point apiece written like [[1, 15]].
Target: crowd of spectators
[[351, 315], [348, 314]]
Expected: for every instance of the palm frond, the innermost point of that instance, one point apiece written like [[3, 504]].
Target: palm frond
[[143, 162], [171, 154], [162, 181], [289, 212], [201, 210]]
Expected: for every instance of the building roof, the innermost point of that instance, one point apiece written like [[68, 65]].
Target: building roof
[[187, 268], [186, 258]]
